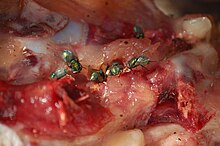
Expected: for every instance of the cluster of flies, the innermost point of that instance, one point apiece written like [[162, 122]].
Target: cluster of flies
[[114, 69]]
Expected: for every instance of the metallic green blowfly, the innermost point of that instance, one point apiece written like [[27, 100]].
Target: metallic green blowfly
[[68, 56], [138, 61], [75, 66], [58, 74], [72, 61], [97, 76], [138, 32], [115, 69]]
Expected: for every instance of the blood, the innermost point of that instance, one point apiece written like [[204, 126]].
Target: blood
[[48, 107], [178, 101]]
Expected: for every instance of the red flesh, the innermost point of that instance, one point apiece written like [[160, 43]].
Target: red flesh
[[46, 109], [177, 95]]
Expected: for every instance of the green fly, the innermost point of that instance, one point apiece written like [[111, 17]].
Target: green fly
[[72, 61], [58, 74], [68, 56], [97, 76], [115, 69], [138, 61], [138, 32], [75, 66]]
